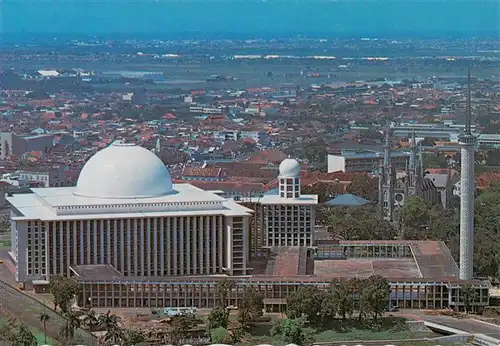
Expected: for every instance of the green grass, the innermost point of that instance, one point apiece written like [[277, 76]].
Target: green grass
[[36, 332], [357, 334], [387, 329], [5, 244]]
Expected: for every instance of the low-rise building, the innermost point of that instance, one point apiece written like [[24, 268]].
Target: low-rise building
[[364, 160]]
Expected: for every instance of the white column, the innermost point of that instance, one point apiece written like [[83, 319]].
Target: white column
[[136, 243], [130, 254], [200, 245], [467, 188], [82, 231], [245, 241], [115, 243], [75, 237], [46, 250], [148, 243], [222, 234], [68, 243], [101, 230], [89, 241], [229, 242], [214, 244], [176, 255], [181, 247], [54, 248], [94, 261], [207, 243], [195, 245], [155, 246], [142, 240], [162, 246], [169, 247], [108, 240], [122, 245], [188, 245], [61, 247]]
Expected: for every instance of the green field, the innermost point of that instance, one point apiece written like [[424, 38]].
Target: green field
[[38, 333], [343, 331], [5, 244]]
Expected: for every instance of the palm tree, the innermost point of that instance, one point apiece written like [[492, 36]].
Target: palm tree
[[44, 318], [71, 324]]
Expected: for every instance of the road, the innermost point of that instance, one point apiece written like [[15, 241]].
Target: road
[[469, 325]]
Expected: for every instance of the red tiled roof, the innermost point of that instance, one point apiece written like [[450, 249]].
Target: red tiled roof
[[266, 156], [484, 180], [226, 186], [202, 171]]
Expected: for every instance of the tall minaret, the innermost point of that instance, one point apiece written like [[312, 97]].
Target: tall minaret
[[389, 175], [467, 142]]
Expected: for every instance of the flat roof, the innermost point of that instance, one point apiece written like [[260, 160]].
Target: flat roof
[[431, 262], [103, 271], [276, 199], [59, 203], [348, 154]]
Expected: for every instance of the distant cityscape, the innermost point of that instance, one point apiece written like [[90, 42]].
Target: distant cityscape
[[149, 177]]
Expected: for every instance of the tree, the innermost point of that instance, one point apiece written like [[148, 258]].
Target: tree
[[111, 323], [291, 330], [178, 330], [414, 216], [420, 221], [219, 317], [224, 288], [375, 295], [24, 337], [71, 323], [325, 191], [305, 301], [90, 320], [467, 296], [251, 307], [358, 223], [493, 157], [133, 337], [337, 301], [220, 335], [63, 289], [44, 318], [355, 287], [364, 186], [17, 334]]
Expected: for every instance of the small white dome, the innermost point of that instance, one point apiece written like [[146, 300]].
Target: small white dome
[[124, 171], [289, 168]]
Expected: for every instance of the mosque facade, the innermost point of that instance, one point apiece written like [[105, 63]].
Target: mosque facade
[[125, 212]]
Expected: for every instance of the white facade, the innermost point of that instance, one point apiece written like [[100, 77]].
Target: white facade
[[336, 163], [132, 218], [289, 217], [364, 161]]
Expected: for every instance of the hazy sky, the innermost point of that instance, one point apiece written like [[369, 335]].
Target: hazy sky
[[253, 17]]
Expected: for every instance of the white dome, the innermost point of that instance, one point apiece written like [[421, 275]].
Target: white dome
[[124, 171], [289, 168]]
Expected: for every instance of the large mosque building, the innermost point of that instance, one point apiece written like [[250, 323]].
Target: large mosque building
[[131, 238], [125, 212]]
